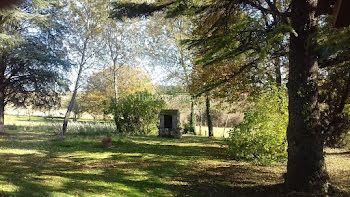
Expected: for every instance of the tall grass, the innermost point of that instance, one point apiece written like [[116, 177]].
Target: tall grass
[[90, 129], [55, 127]]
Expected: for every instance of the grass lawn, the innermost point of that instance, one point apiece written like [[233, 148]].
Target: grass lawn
[[218, 132], [37, 163]]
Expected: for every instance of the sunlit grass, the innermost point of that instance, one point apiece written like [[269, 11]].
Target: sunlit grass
[[218, 132], [40, 163]]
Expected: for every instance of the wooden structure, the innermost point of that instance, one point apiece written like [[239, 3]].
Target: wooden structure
[[339, 8]]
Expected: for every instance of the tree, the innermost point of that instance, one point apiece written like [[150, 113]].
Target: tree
[[99, 90], [253, 29], [209, 122], [164, 46], [86, 22], [8, 3], [79, 105], [33, 58], [119, 52]]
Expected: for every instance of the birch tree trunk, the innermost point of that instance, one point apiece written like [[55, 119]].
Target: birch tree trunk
[[72, 101]]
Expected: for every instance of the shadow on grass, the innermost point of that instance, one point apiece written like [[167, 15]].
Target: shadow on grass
[[28, 173], [139, 166], [339, 153]]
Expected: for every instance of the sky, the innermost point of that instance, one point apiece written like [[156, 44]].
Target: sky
[[139, 46]]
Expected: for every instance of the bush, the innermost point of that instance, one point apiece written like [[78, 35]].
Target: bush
[[187, 128], [261, 136], [344, 141], [137, 113]]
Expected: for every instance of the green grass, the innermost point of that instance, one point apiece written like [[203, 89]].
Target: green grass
[[37, 163], [218, 132]]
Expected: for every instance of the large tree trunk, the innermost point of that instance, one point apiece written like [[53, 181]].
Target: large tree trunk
[[193, 117], [306, 170], [71, 103], [209, 122]]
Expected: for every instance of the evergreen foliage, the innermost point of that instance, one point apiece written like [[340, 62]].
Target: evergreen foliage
[[33, 56]]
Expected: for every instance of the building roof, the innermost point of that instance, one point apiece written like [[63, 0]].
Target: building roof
[[169, 112]]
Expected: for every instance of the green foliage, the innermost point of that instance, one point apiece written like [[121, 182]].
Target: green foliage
[[79, 107], [127, 9], [262, 135], [99, 88], [137, 113], [34, 60], [347, 109], [188, 128]]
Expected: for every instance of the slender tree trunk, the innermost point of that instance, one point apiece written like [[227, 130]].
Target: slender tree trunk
[[306, 170], [2, 99], [2, 112], [278, 73], [115, 81], [115, 85], [193, 117], [200, 121], [209, 122], [71, 103], [223, 135]]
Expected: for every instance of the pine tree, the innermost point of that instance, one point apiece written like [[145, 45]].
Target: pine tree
[[258, 30], [33, 58]]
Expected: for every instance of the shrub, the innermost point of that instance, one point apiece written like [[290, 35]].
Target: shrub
[[344, 141], [137, 113], [261, 136], [187, 128]]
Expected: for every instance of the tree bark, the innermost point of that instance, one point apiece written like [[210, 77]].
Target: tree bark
[[278, 73], [115, 81], [2, 113], [71, 103], [223, 133], [306, 170], [192, 117], [209, 122], [200, 121], [2, 99], [75, 117]]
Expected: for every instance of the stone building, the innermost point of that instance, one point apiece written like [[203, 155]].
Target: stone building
[[169, 124]]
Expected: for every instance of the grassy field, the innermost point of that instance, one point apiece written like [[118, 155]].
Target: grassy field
[[36, 162], [218, 132]]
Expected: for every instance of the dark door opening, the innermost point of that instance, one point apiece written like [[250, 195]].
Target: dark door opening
[[168, 121]]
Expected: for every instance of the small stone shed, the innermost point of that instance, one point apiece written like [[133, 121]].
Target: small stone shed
[[169, 124]]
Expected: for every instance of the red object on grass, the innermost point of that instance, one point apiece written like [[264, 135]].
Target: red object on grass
[[107, 142]]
